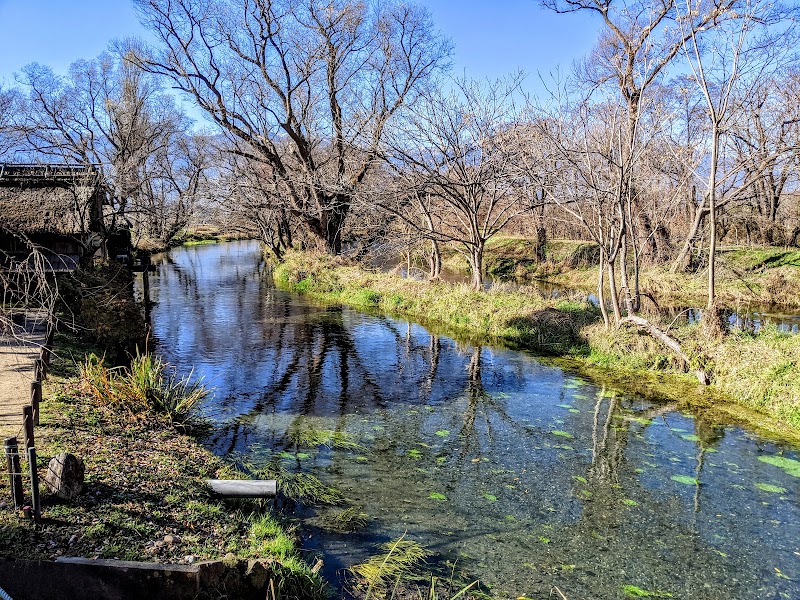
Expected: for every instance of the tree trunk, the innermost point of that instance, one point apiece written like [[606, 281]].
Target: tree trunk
[[435, 261], [612, 283], [680, 260], [712, 216], [476, 266], [601, 293]]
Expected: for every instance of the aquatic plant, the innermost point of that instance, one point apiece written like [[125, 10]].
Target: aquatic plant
[[768, 487], [298, 486], [398, 560], [634, 591], [685, 479], [789, 465], [312, 438], [347, 520]]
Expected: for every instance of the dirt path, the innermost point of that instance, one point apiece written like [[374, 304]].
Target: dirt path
[[17, 355]]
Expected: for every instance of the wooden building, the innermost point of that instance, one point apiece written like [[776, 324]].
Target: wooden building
[[59, 210]]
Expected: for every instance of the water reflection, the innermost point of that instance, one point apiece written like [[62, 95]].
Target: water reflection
[[519, 473]]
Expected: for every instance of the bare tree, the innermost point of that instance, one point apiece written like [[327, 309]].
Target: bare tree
[[324, 77], [452, 154], [10, 108], [109, 113], [767, 141], [638, 42], [726, 62]]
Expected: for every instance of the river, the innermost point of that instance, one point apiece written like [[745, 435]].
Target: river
[[507, 469]]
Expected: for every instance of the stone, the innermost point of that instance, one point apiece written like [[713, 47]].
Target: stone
[[171, 538], [65, 476]]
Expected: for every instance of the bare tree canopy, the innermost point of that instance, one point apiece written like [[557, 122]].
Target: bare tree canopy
[[323, 77]]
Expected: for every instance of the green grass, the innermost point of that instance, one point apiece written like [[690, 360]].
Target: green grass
[[147, 385]]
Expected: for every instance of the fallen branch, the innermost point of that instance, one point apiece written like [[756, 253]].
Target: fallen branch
[[668, 341]]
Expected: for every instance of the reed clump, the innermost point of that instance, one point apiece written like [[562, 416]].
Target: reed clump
[[399, 570], [148, 385]]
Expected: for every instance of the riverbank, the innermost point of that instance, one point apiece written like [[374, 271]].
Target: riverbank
[[767, 276], [194, 236], [755, 376], [145, 498]]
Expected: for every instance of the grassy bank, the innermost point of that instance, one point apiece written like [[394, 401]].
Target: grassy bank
[[145, 497], [745, 276], [756, 377], [523, 317]]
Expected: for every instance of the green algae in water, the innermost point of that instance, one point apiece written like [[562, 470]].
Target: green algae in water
[[768, 487], [362, 459], [629, 502], [544, 540], [685, 479], [574, 411], [414, 453], [789, 465], [443, 433], [564, 434], [634, 591], [565, 406], [690, 437], [441, 460], [303, 455], [437, 496], [581, 479], [490, 497]]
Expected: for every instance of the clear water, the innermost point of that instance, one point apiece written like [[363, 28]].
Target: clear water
[[516, 472]]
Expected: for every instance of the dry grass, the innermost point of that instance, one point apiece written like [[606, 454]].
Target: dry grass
[[519, 317]]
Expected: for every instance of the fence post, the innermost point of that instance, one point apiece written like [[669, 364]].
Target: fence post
[[40, 371], [35, 501], [47, 354], [36, 398], [27, 421], [14, 471]]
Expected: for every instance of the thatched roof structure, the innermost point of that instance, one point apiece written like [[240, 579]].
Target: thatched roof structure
[[45, 210]]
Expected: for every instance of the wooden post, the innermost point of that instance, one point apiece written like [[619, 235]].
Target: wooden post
[[47, 354], [27, 421], [36, 398], [35, 501], [14, 471], [40, 370]]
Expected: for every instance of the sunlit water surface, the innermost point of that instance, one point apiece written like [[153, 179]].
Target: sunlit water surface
[[518, 473]]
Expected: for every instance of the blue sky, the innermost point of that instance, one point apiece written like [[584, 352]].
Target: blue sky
[[491, 38]]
